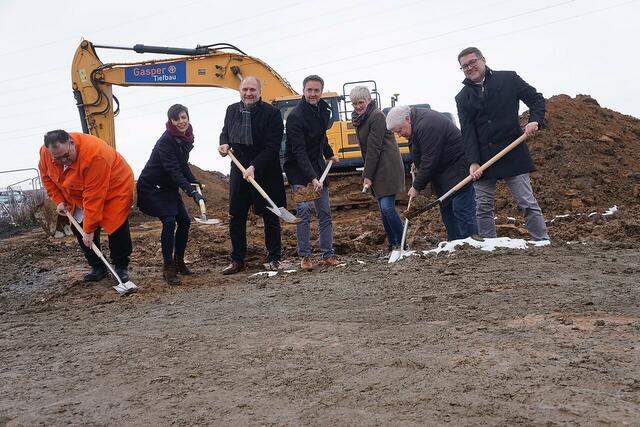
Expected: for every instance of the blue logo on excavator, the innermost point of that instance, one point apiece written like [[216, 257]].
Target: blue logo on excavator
[[167, 72]]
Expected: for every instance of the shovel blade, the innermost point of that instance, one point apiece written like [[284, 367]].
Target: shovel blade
[[126, 288], [396, 255], [288, 216], [285, 215], [207, 221]]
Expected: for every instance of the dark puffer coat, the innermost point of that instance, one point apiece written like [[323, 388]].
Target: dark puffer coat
[[307, 142], [166, 171], [436, 150]]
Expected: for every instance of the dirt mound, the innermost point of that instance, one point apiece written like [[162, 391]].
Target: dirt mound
[[587, 157]]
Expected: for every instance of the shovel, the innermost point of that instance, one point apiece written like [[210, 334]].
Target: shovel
[[203, 211], [121, 288], [397, 254], [308, 193], [283, 213], [468, 179]]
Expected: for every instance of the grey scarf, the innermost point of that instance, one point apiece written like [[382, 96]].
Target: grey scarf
[[241, 129]]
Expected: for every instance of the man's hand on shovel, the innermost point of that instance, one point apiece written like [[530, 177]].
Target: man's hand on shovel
[[412, 193], [317, 185], [531, 128], [87, 239], [250, 172]]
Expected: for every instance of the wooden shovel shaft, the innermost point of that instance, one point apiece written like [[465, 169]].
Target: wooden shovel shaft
[[484, 167], [203, 208], [94, 247], [326, 171], [251, 180]]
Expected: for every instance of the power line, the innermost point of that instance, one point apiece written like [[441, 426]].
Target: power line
[[395, 59], [333, 61], [520, 30], [270, 11], [30, 49]]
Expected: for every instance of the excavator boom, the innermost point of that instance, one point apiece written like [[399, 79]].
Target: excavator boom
[[205, 67]]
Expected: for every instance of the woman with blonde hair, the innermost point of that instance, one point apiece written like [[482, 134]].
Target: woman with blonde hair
[[383, 168]]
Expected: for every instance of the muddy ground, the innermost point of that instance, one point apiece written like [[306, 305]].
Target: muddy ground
[[543, 336]]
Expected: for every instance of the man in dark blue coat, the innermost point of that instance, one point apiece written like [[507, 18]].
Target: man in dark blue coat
[[307, 148], [253, 130], [438, 155], [488, 112]]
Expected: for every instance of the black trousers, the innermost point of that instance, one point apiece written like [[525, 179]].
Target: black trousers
[[238, 231], [120, 246], [174, 240]]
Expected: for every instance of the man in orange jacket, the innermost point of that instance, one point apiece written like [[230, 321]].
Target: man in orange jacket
[[88, 178]]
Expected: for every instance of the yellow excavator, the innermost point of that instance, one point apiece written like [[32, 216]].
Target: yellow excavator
[[218, 65]]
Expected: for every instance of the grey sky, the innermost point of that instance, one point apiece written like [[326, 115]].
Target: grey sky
[[408, 46]]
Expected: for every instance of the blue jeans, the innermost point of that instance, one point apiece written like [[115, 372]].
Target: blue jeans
[[459, 215], [391, 219], [303, 229]]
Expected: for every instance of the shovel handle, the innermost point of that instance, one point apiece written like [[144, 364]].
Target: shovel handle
[[203, 208], [326, 171], [251, 180], [93, 247], [484, 166]]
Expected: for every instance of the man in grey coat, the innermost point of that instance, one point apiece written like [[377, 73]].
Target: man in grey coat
[[439, 157]]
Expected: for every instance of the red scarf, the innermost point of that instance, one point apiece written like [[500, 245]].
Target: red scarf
[[186, 137]]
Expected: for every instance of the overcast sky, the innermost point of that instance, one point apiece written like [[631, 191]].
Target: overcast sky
[[407, 46]]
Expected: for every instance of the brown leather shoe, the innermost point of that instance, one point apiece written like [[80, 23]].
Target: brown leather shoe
[[170, 274], [332, 261], [306, 263], [181, 267], [234, 267]]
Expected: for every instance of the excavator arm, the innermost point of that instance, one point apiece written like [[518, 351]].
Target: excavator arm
[[204, 66]]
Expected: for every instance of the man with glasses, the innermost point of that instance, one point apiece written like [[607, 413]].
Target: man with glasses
[[88, 178], [488, 112]]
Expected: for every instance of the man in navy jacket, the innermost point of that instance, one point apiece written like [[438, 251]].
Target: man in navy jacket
[[488, 112], [307, 148]]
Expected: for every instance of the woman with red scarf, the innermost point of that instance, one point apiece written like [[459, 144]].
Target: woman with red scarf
[[166, 171]]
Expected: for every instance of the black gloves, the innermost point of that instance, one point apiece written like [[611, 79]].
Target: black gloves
[[196, 197]]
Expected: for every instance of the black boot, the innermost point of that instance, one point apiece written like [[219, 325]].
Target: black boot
[[181, 267], [97, 273], [170, 274], [123, 272]]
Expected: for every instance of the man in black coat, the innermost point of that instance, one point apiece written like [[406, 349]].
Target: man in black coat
[[307, 148], [488, 112], [253, 130], [438, 155]]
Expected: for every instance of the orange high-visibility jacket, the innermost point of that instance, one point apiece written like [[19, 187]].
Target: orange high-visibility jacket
[[99, 181]]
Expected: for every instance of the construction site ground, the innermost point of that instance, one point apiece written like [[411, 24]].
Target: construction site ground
[[543, 336]]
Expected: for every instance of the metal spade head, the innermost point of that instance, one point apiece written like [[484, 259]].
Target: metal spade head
[[126, 288], [208, 221], [285, 215]]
